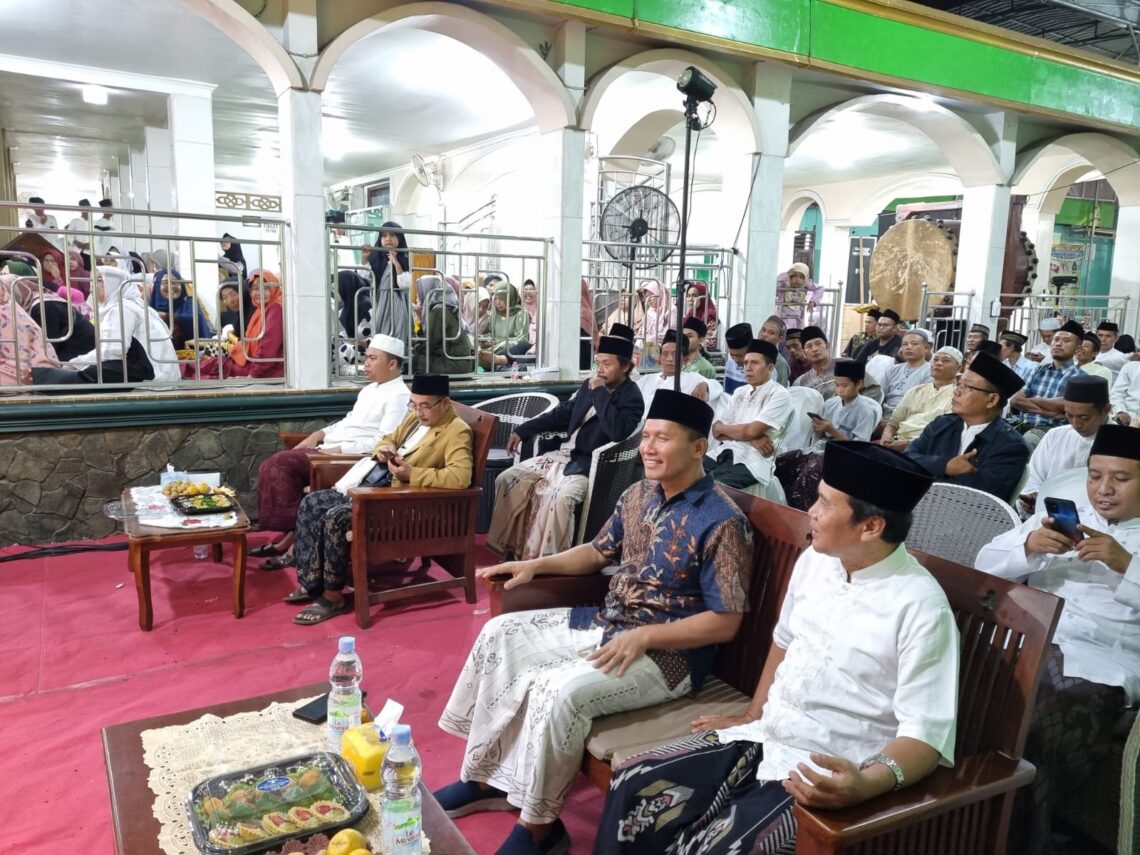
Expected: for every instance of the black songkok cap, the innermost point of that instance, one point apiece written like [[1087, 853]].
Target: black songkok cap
[[616, 346], [1091, 337], [982, 328], [334, 216], [764, 348], [810, 333], [1086, 389], [993, 348], [84, 203], [1074, 328], [1125, 344], [682, 342], [794, 335], [852, 369], [1115, 441], [682, 409], [1014, 336], [1109, 326], [874, 473], [890, 313], [36, 200], [696, 325], [1001, 376], [622, 330], [874, 313], [106, 203], [430, 384], [738, 335]]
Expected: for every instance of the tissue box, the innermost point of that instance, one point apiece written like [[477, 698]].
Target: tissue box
[[213, 479]]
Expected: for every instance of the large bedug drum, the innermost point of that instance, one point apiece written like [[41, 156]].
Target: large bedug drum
[[912, 254]]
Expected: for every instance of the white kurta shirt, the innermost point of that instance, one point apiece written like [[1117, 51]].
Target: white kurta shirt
[[1043, 350], [379, 409], [1112, 359], [867, 661], [49, 222], [1125, 393], [650, 383], [1060, 449], [1099, 630], [770, 404], [79, 227]]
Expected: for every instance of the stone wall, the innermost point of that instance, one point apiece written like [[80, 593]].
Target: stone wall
[[56, 484]]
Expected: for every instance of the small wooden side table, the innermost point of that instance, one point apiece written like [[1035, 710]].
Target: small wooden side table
[[144, 539]]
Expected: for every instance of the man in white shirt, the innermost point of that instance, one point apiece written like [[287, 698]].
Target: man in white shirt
[[913, 371], [1012, 343], [758, 412], [1108, 332], [859, 691], [1087, 352], [1086, 409], [1125, 395], [41, 220], [107, 244], [1043, 349], [283, 477], [691, 384], [1095, 667], [80, 229]]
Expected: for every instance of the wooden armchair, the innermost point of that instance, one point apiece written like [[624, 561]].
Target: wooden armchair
[[396, 522]]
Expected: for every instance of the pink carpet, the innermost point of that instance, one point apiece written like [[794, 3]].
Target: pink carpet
[[73, 660]]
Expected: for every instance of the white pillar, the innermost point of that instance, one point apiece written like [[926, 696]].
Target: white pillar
[[834, 254], [192, 161], [771, 99], [159, 180], [135, 190], [981, 247], [306, 290], [1042, 237], [1125, 280]]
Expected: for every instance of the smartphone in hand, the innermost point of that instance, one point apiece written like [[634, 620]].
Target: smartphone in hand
[[1065, 518], [814, 416]]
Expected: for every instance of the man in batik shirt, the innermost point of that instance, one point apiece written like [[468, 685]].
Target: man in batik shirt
[[534, 681]]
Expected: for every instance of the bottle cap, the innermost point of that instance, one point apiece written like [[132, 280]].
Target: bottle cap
[[347, 644], [402, 734]]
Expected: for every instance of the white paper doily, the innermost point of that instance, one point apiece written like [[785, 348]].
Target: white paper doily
[[181, 756]]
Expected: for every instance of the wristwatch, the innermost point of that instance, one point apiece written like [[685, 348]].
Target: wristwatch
[[900, 779]]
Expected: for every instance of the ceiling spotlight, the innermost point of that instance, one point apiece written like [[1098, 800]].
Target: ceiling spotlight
[[96, 95], [696, 85]]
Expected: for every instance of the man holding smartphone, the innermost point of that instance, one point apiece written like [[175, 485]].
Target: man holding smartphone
[[1094, 672]]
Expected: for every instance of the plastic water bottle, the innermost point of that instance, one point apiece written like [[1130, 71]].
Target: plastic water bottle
[[401, 819], [345, 675], [515, 371]]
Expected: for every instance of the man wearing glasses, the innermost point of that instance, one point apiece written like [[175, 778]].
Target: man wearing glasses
[[430, 448], [972, 445]]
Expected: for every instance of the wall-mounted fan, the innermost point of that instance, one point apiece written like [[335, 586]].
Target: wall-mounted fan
[[430, 173], [662, 149]]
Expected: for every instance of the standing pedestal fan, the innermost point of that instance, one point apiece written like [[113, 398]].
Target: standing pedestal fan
[[640, 226]]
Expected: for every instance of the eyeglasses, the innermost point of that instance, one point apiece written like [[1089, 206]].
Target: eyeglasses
[[958, 384], [423, 408]]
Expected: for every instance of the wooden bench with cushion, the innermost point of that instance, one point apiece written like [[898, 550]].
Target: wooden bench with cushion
[[1005, 631]]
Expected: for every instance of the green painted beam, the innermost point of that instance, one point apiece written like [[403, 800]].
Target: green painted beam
[[864, 43], [60, 415]]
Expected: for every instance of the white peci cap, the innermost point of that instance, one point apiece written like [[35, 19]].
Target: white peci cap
[[1049, 324], [387, 343]]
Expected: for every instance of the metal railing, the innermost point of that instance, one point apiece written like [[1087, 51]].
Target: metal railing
[[1088, 310], [946, 314], [192, 238]]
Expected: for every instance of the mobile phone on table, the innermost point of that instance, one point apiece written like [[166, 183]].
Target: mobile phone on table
[[1065, 517], [316, 711]]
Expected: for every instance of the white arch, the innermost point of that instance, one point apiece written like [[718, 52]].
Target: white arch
[[553, 107], [798, 202], [926, 184], [1114, 158], [965, 148], [251, 36], [641, 135], [669, 62]]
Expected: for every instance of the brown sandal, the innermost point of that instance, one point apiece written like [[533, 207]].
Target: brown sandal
[[298, 596]]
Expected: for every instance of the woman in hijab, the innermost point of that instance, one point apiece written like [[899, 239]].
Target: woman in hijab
[[654, 320], [173, 302], [510, 325], [235, 305], [231, 251], [77, 275], [445, 348], [134, 344], [260, 353], [389, 263], [22, 344], [704, 309], [530, 303], [66, 330]]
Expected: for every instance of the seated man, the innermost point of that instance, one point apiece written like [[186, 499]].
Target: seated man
[[1086, 408], [856, 342], [1087, 351], [977, 334], [736, 339], [1095, 668], [858, 696], [534, 681], [772, 330], [913, 371], [821, 375], [430, 448], [745, 442], [1047, 328], [283, 477], [1012, 344], [691, 384], [695, 331], [1125, 395], [1108, 356], [1040, 406], [887, 340], [535, 500], [798, 363], [923, 404], [973, 445]]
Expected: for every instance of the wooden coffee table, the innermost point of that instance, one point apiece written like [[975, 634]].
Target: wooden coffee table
[[142, 540], [136, 829]]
